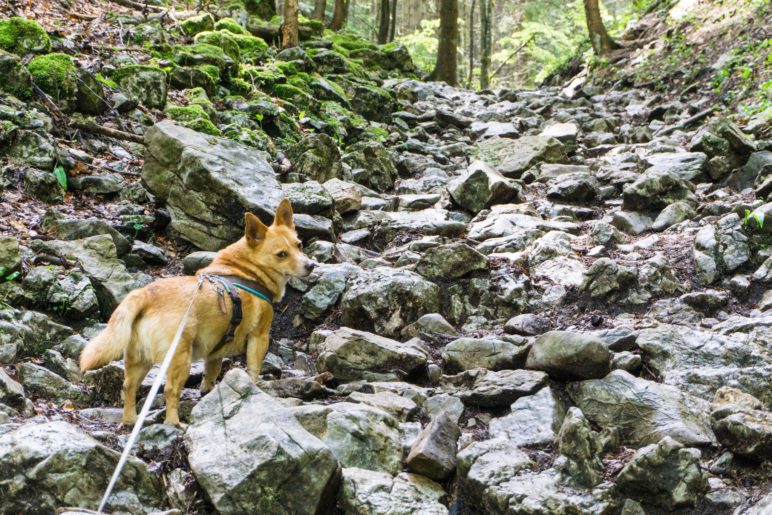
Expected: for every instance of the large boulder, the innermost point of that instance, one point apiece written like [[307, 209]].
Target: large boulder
[[489, 389], [514, 156], [351, 355], [371, 165], [720, 248], [533, 420], [98, 258], [45, 466], [643, 411], [22, 37], [482, 186], [655, 190], [208, 183], [17, 79], [451, 261], [491, 353], [434, 452], [250, 454], [146, 84], [385, 300], [568, 355], [316, 157], [664, 474]]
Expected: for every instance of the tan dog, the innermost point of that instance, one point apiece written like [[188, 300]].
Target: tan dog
[[144, 324]]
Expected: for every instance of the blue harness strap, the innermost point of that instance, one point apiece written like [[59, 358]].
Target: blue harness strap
[[230, 283]]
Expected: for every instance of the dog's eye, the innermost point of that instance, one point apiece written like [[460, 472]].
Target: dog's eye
[[282, 254], [300, 245]]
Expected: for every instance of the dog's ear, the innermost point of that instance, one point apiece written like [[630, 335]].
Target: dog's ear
[[254, 229], [284, 214]]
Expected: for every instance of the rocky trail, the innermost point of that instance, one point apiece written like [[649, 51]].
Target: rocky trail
[[550, 301]]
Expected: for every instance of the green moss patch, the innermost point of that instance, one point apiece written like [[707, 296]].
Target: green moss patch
[[222, 39], [193, 117], [21, 36], [230, 25], [57, 76]]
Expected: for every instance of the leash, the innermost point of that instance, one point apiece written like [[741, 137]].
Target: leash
[[148, 401]]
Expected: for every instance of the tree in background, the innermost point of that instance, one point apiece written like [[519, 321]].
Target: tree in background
[[471, 45], [289, 29], [339, 14], [447, 49], [599, 38], [393, 24], [319, 7], [384, 20], [485, 42]]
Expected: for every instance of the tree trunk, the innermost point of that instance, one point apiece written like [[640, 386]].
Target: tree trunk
[[289, 30], [445, 69], [383, 21], [471, 44], [601, 41], [485, 43], [339, 15], [393, 24], [413, 16], [319, 7]]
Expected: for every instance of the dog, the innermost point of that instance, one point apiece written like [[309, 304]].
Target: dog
[[143, 326]]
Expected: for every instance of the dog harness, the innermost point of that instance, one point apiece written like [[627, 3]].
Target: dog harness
[[230, 284]]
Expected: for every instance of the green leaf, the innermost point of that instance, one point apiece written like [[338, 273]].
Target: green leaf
[[61, 176], [14, 275]]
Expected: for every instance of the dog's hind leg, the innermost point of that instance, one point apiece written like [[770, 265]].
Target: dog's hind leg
[[212, 368], [179, 370], [136, 370], [257, 348]]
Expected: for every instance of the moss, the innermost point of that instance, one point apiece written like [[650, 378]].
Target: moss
[[252, 137], [56, 75], [211, 70], [349, 41], [266, 77], [287, 68], [132, 69], [16, 78], [293, 94], [376, 133], [252, 47], [196, 24], [193, 117], [222, 39], [312, 27], [202, 53], [21, 36], [7, 131], [231, 25], [241, 87]]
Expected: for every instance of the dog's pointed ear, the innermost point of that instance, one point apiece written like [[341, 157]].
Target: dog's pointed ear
[[254, 229], [284, 214]]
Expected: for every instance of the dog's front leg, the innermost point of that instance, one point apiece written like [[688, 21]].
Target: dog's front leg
[[257, 348]]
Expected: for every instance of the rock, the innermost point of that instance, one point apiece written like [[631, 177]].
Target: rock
[[490, 129], [196, 175], [632, 222], [10, 255], [673, 214], [434, 452], [70, 469], [686, 165], [98, 258], [606, 277], [371, 165], [565, 355], [358, 435], [533, 421], [482, 186], [28, 334], [91, 96], [309, 198], [643, 411], [720, 248], [385, 300], [665, 474], [745, 432], [432, 323], [346, 196], [563, 132], [325, 293], [146, 84], [71, 228], [386, 225], [11, 392], [394, 404], [195, 24], [41, 382], [491, 353], [488, 389], [573, 187], [655, 190], [197, 260], [451, 261], [57, 76], [21, 36], [377, 493], [287, 468], [150, 254], [316, 157], [527, 324], [512, 157], [581, 445], [18, 81], [351, 355], [36, 148], [444, 404], [103, 184]]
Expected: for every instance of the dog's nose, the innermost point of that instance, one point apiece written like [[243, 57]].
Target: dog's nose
[[310, 265]]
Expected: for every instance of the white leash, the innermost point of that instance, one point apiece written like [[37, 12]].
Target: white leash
[[148, 402]]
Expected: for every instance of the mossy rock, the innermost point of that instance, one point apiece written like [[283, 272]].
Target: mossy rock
[[193, 117], [222, 39], [263, 76], [294, 95], [21, 36], [145, 83], [230, 25], [252, 137], [17, 80], [370, 101], [184, 77], [309, 28], [8, 132], [348, 41], [203, 53], [265, 9], [196, 24], [258, 26], [326, 89], [338, 117], [91, 94], [253, 48], [329, 61], [57, 76], [240, 87], [151, 33]]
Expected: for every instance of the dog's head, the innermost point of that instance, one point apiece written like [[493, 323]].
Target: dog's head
[[277, 247]]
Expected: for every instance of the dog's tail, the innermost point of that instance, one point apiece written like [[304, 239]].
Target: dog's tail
[[110, 343]]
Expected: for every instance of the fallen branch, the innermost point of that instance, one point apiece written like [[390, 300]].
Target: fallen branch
[[686, 123], [89, 125], [510, 56], [140, 6]]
